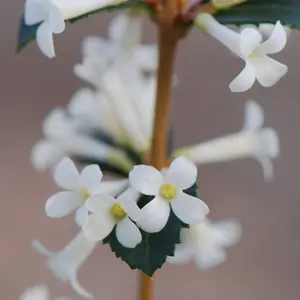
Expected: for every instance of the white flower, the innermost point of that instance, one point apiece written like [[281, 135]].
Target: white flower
[[266, 29], [109, 213], [122, 48], [94, 110], [253, 141], [168, 189], [118, 110], [64, 138], [127, 110], [204, 243], [78, 188], [65, 263], [51, 15], [248, 45], [38, 292]]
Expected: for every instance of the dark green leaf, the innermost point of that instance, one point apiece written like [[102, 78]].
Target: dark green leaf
[[262, 11], [135, 157], [27, 33], [152, 252]]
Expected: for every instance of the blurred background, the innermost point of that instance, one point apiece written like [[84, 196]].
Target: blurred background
[[264, 265]]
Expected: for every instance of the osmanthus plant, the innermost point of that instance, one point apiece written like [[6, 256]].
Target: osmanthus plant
[[150, 212]]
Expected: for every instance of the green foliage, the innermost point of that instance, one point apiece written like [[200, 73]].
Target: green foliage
[[28, 33], [152, 252], [262, 11]]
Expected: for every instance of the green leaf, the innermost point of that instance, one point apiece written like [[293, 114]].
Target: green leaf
[[262, 11], [134, 156], [28, 33], [152, 252]]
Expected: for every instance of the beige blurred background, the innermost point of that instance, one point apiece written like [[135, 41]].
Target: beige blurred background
[[266, 263]]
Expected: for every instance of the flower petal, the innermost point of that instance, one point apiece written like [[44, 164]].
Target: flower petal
[[188, 209], [81, 215], [244, 81], [154, 216], [147, 57], [227, 233], [63, 203], [249, 40], [55, 18], [268, 71], [90, 178], [66, 176], [267, 166], [79, 289], [183, 254], [93, 46], [145, 179], [128, 233], [100, 204], [126, 25], [209, 257], [112, 187], [182, 173], [58, 126], [45, 154], [254, 116], [34, 12], [269, 142], [83, 104], [98, 226], [268, 147], [44, 39], [38, 292], [128, 201], [276, 41]]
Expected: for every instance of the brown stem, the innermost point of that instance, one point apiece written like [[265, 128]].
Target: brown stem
[[146, 287], [168, 38]]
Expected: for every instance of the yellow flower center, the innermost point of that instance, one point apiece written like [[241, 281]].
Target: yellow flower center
[[168, 191], [118, 211], [86, 194], [252, 54]]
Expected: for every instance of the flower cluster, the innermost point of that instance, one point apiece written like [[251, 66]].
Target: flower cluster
[[102, 207], [147, 215], [120, 70]]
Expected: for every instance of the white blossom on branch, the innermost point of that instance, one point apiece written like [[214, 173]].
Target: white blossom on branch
[[248, 45], [167, 187], [77, 189], [65, 264], [205, 243], [254, 141], [50, 15], [108, 213], [65, 138]]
